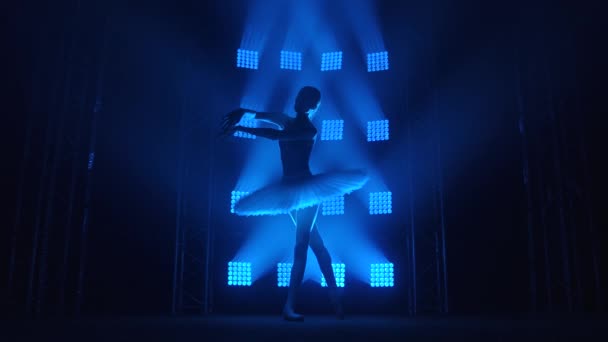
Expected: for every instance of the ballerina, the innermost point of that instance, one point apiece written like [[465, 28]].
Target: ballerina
[[299, 193]]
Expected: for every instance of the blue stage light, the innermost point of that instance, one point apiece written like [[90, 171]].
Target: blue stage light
[[377, 130], [339, 272], [331, 61], [283, 274], [380, 203], [247, 59], [382, 275], [377, 61], [333, 206], [235, 197], [239, 273], [291, 60], [332, 129], [246, 123]]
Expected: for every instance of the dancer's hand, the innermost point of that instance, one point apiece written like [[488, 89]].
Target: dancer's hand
[[234, 117]]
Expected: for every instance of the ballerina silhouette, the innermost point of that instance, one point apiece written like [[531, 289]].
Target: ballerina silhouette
[[299, 193]]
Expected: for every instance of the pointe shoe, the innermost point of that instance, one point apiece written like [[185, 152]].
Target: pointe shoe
[[292, 316]]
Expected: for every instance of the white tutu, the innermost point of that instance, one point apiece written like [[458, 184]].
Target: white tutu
[[300, 192]]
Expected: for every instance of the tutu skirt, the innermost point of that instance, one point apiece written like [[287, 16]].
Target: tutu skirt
[[299, 192]]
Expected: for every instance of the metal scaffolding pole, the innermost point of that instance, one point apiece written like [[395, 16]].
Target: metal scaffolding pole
[[526, 180], [177, 261], [96, 111]]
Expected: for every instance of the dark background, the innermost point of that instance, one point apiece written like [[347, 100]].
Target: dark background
[[131, 225]]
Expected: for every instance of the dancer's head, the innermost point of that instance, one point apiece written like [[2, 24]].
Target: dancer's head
[[308, 101]]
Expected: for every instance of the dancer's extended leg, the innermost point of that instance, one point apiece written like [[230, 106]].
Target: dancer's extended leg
[[305, 219], [324, 259]]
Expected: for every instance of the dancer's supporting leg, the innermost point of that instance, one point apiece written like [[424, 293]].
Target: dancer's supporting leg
[[305, 219], [324, 259]]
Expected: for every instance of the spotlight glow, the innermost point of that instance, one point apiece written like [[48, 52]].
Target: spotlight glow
[[332, 129], [239, 273], [382, 275], [246, 123], [380, 203], [377, 130], [235, 197], [339, 272], [333, 206], [377, 61], [247, 59], [291, 60], [331, 61], [283, 274]]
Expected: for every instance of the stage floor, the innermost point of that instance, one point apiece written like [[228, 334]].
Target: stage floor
[[314, 328]]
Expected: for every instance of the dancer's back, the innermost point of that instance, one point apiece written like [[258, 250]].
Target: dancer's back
[[295, 154]]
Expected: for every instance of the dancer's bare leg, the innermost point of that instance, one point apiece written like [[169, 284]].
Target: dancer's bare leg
[[305, 219], [324, 259]]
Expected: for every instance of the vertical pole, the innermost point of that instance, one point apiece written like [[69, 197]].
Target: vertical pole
[[412, 232], [18, 213], [178, 213], [97, 108], [526, 179], [560, 193], [38, 219], [594, 240], [547, 254], [76, 164], [209, 240], [62, 112], [439, 175]]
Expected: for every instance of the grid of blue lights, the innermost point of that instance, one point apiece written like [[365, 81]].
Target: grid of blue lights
[[382, 275], [247, 59], [332, 130], [283, 274], [377, 130], [333, 206], [235, 197], [291, 60], [339, 272], [245, 123], [239, 273], [380, 203], [377, 61], [331, 61]]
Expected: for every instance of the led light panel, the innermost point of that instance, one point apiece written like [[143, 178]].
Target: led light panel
[[291, 60], [377, 61], [380, 203], [377, 130], [239, 273], [332, 129], [247, 59]]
